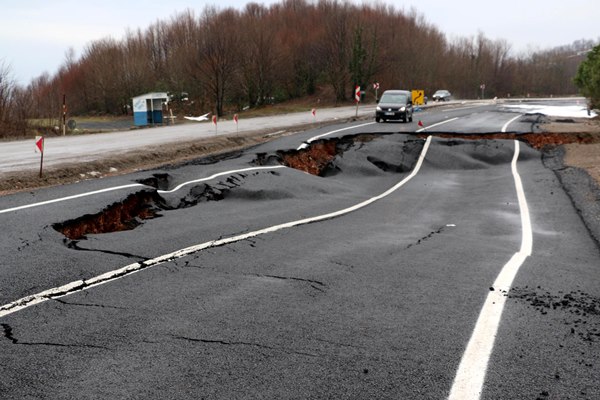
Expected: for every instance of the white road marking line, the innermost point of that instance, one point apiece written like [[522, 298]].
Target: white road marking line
[[439, 123], [305, 144], [81, 285], [470, 377], [208, 178], [76, 196], [505, 127]]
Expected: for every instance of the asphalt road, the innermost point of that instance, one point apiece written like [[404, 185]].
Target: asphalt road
[[411, 268]]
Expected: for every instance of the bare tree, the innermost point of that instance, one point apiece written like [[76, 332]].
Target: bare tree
[[219, 50], [335, 45], [228, 58]]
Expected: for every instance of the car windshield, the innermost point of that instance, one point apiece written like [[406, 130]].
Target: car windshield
[[442, 92], [393, 98]]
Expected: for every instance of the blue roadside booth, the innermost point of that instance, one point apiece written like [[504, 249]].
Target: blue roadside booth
[[148, 108]]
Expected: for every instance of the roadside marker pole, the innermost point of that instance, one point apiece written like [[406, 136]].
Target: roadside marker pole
[[357, 98], [39, 142], [214, 121]]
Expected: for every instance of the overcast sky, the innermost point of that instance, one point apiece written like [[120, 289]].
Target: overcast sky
[[35, 35]]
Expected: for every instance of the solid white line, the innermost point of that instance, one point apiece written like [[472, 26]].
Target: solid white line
[[234, 171], [305, 144], [76, 196], [439, 123], [470, 376], [509, 122], [73, 287]]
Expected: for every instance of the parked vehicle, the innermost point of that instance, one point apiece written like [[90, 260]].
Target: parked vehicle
[[442, 95], [395, 105]]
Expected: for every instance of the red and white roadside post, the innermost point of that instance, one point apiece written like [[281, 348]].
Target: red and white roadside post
[[357, 98], [376, 87], [235, 119], [39, 144], [314, 114], [214, 121]]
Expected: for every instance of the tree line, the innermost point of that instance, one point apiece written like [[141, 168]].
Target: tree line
[[225, 60]]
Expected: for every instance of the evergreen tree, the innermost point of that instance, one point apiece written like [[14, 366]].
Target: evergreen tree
[[588, 77]]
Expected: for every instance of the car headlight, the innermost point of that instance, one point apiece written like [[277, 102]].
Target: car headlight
[[378, 108], [403, 109]]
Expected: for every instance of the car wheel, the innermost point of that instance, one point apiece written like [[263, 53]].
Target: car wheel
[[377, 119], [410, 118]]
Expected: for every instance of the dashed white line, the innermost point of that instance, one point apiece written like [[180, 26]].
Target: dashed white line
[[469, 380], [505, 127], [85, 284]]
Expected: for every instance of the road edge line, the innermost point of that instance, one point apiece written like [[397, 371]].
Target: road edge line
[[470, 377]]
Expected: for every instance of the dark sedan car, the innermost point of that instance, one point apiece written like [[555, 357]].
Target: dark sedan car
[[395, 105], [442, 95]]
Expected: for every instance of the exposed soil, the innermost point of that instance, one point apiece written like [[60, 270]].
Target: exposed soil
[[117, 217], [316, 158], [586, 157]]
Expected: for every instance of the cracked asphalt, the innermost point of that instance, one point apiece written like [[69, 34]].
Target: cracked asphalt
[[376, 303]]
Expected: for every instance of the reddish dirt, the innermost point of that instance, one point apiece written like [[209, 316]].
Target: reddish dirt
[[122, 216], [313, 159]]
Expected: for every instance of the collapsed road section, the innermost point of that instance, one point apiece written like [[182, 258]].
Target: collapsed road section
[[322, 158]]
